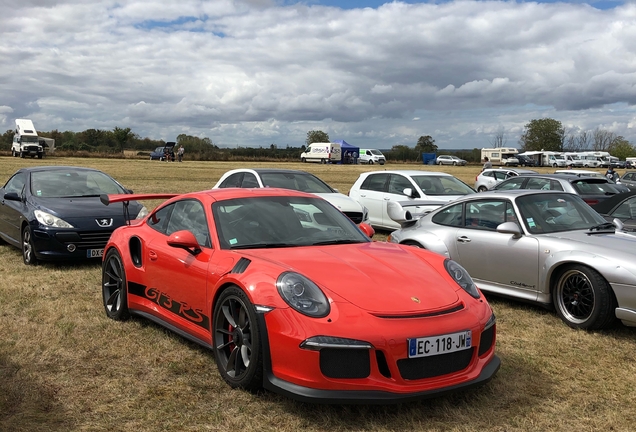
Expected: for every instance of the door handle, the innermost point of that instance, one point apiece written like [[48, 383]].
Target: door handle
[[463, 239], [153, 255]]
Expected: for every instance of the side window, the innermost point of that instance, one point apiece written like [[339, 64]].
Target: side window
[[189, 215], [398, 183], [499, 175], [488, 174], [486, 214], [159, 219], [628, 176], [15, 183], [375, 182], [513, 183], [249, 181], [538, 184], [451, 216], [232, 181]]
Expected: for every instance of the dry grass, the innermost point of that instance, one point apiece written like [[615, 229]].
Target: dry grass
[[65, 366]]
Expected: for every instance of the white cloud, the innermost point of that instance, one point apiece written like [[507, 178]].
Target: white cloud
[[253, 73]]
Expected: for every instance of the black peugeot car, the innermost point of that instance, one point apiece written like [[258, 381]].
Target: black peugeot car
[[55, 212]]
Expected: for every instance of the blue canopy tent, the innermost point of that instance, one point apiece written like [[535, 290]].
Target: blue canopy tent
[[346, 147]]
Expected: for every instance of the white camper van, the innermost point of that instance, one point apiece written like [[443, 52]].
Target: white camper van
[[26, 141], [322, 152], [371, 156], [553, 159], [501, 155]]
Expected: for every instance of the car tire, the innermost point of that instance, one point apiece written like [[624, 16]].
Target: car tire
[[454, 163], [114, 287], [236, 340], [370, 162], [22, 155], [482, 189], [583, 299], [323, 161], [303, 160], [439, 163], [28, 250]]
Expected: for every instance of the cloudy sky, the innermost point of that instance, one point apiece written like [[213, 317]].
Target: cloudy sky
[[376, 74]]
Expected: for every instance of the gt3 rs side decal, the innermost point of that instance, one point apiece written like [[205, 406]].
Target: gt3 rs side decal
[[196, 316]]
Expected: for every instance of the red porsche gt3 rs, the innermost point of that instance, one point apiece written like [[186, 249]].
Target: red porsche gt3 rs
[[291, 296]]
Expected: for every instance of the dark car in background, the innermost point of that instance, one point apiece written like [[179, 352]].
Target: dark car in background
[[55, 212], [592, 189], [160, 152], [526, 161], [621, 206]]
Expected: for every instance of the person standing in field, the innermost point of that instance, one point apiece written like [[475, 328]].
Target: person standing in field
[[180, 153]]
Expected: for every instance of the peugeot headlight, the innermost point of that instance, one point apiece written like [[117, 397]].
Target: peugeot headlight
[[142, 213], [302, 295], [462, 277], [49, 220]]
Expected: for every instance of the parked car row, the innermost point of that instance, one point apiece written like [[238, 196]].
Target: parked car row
[[268, 250]]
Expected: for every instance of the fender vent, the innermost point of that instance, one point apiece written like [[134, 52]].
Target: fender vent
[[241, 266]]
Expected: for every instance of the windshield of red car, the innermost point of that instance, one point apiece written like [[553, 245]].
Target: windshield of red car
[[282, 221], [72, 183]]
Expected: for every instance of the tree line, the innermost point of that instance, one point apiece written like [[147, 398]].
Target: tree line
[[539, 134]]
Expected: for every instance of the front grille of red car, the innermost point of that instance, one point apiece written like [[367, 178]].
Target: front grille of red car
[[356, 217], [345, 363], [428, 367]]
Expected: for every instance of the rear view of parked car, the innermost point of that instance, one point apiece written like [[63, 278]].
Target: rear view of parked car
[[488, 178]]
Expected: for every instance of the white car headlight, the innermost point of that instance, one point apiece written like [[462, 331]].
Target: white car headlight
[[49, 220], [462, 277], [142, 213], [302, 295]]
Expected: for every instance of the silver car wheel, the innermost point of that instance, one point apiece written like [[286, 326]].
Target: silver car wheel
[[583, 298], [28, 251]]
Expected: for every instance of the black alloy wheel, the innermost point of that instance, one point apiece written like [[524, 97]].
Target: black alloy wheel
[[236, 340], [114, 287]]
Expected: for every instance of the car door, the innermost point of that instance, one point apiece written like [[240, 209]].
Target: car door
[[629, 179], [179, 277], [497, 262], [12, 212], [371, 195]]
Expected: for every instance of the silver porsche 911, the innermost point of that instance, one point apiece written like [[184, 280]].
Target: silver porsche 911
[[546, 247]]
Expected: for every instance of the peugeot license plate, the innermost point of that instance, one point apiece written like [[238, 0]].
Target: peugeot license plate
[[442, 344], [95, 253]]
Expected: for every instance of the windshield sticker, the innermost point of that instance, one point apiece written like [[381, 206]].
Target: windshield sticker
[[38, 193], [233, 241], [531, 223]]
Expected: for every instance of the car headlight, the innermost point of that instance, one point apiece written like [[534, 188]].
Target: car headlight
[[142, 213], [462, 277], [49, 220], [302, 295]]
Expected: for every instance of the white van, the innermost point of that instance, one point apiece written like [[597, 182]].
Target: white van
[[371, 156], [322, 152]]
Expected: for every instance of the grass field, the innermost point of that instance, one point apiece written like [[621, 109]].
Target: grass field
[[65, 367]]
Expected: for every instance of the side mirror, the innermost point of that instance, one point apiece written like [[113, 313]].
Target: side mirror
[[510, 228], [367, 229], [12, 196], [618, 224], [184, 239]]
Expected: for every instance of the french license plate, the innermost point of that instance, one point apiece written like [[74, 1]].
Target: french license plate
[[95, 253], [442, 344]]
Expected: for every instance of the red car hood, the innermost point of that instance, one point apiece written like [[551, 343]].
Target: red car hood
[[377, 277]]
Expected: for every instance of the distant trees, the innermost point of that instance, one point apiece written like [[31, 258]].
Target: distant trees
[[121, 137], [426, 144], [316, 136], [543, 134], [499, 138]]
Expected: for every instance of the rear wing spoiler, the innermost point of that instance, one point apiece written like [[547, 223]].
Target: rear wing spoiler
[[109, 199], [406, 213]]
